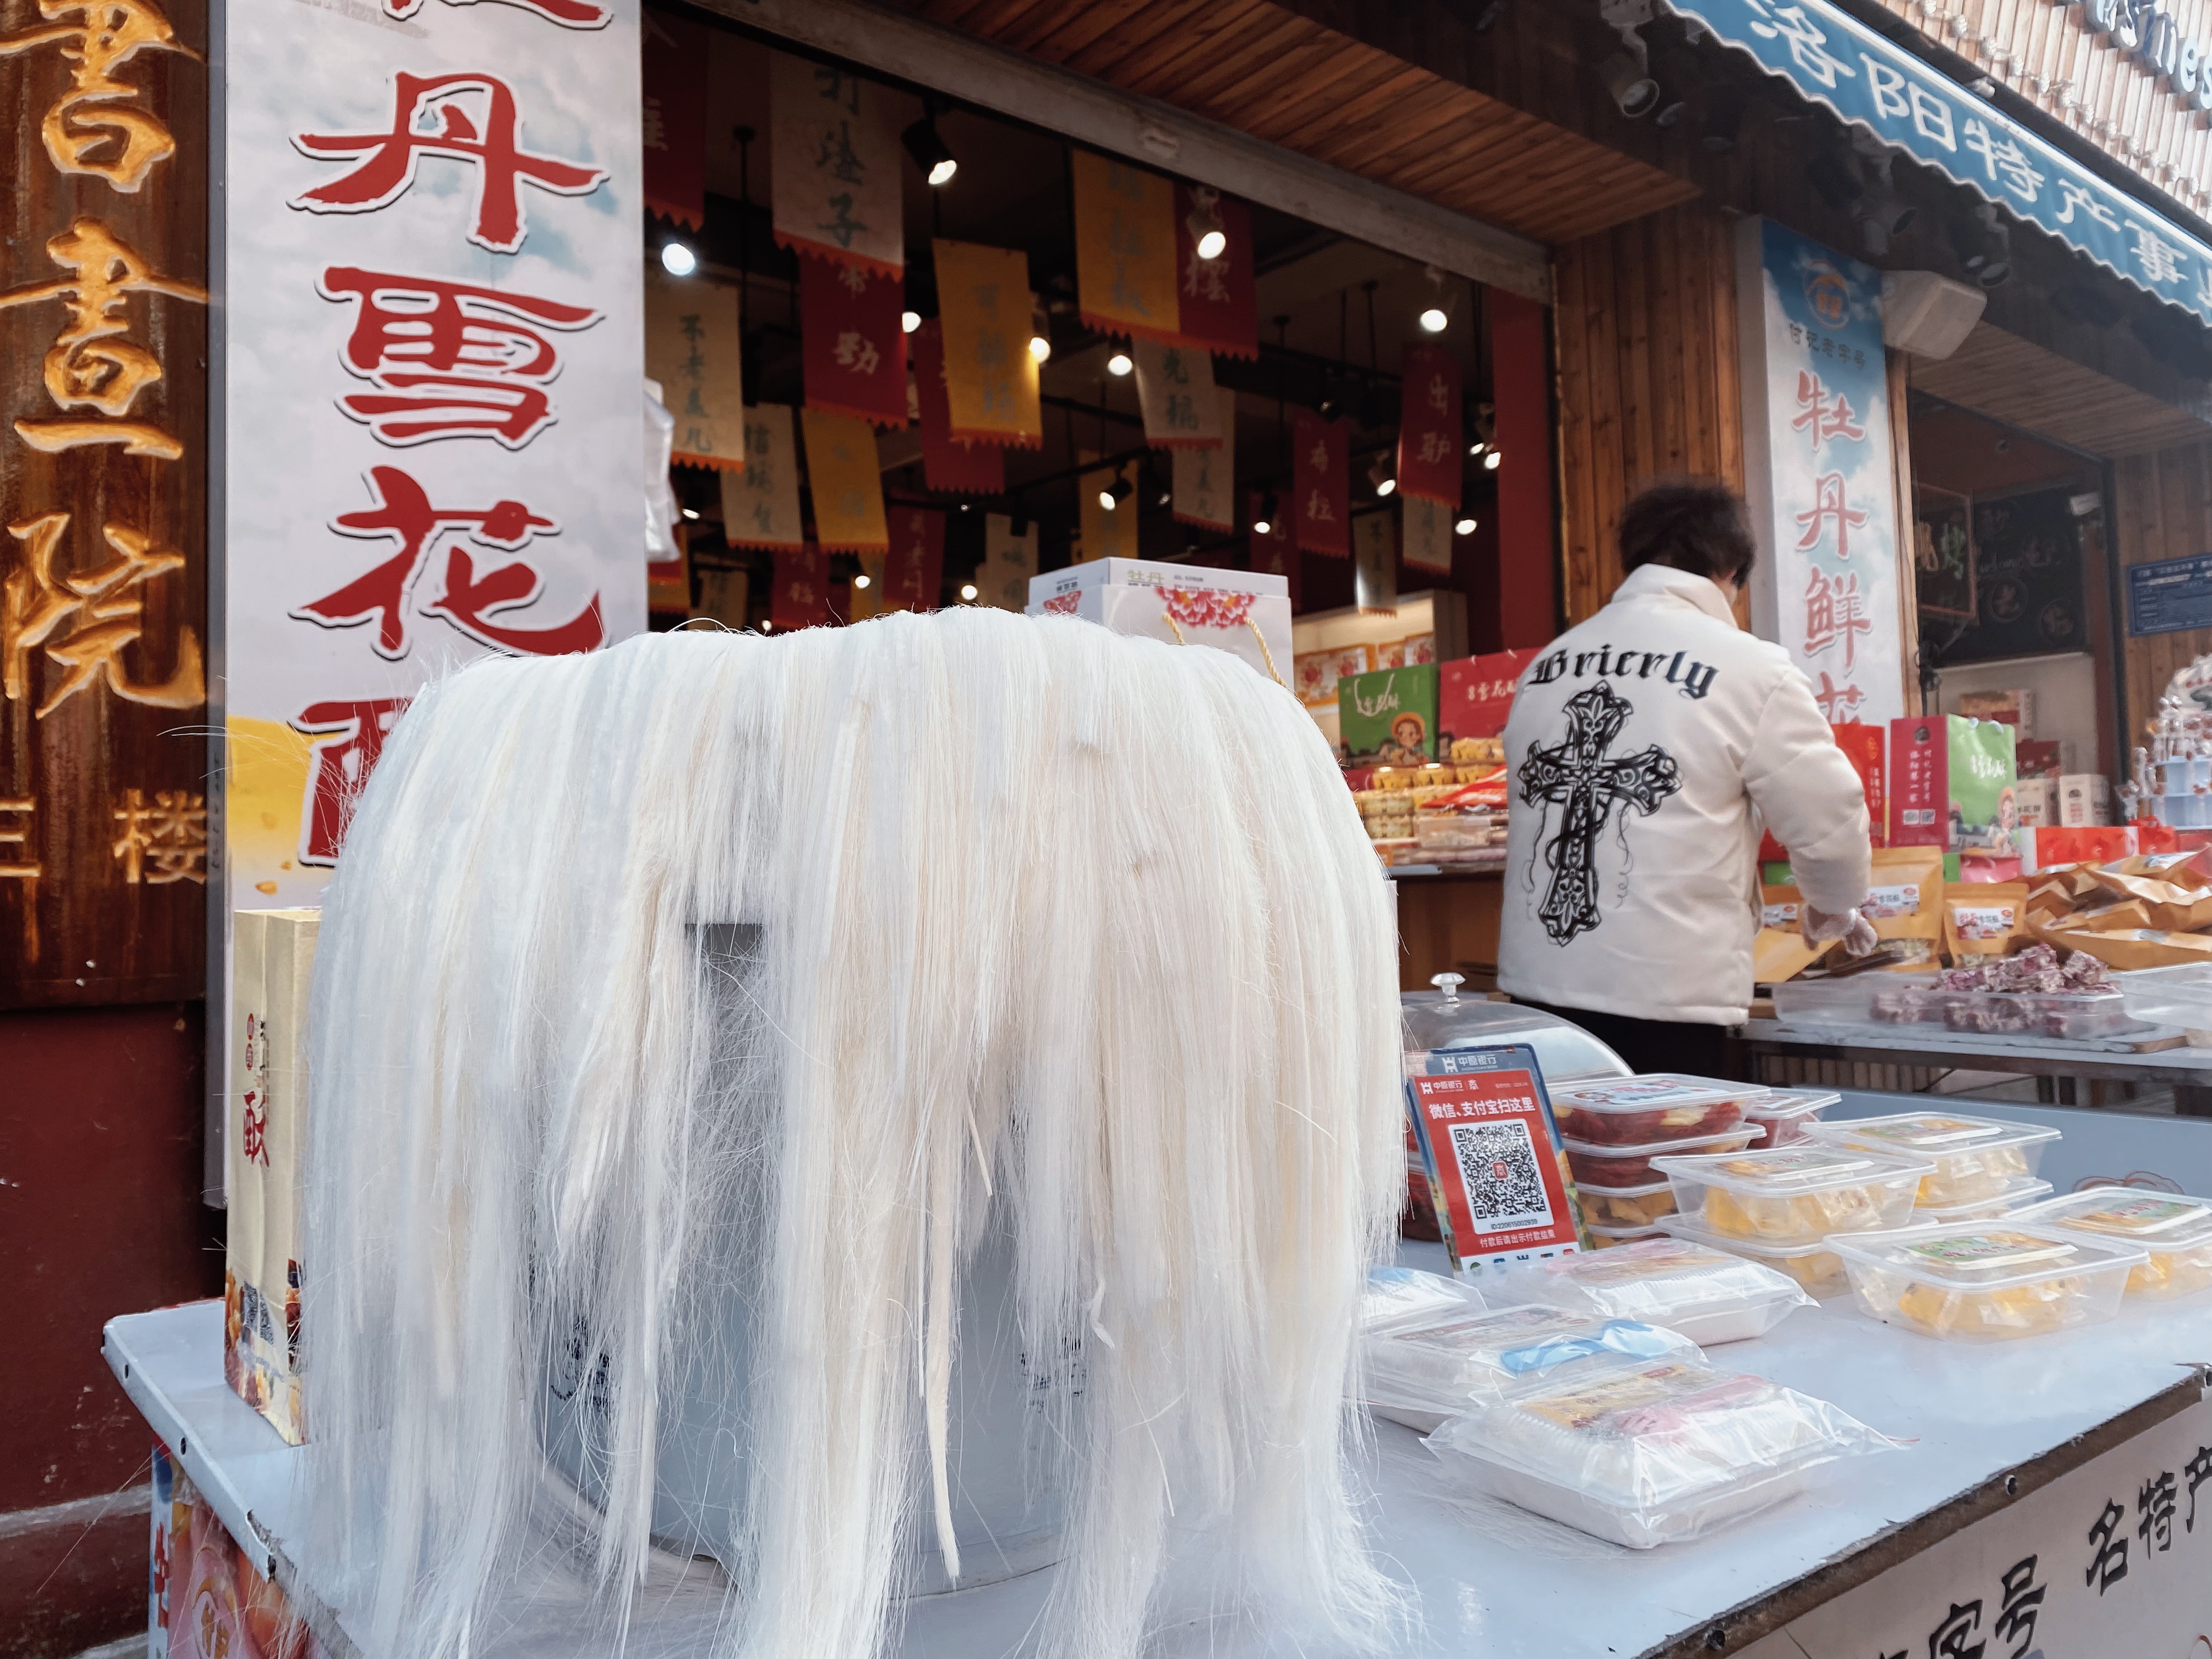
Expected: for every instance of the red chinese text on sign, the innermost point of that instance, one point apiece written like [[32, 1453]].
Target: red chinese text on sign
[[568, 14], [342, 766]]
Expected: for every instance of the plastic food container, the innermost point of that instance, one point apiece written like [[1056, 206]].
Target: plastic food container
[[1616, 1207], [1784, 1112], [1987, 1281], [1651, 1455], [1632, 1166], [2179, 996], [1706, 1294], [1636, 1111], [1814, 1266], [1849, 1000], [1418, 1374], [2018, 1193], [2037, 1013], [2175, 1232], [1605, 1238], [1396, 1295], [1796, 1195], [1974, 1156]]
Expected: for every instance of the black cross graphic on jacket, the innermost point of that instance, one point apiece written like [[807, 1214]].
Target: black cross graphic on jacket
[[1578, 775]]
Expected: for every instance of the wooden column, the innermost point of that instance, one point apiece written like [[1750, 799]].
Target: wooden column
[[1528, 545]]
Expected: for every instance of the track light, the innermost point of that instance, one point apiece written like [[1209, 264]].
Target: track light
[[967, 590], [1120, 364], [1464, 527], [1213, 245], [927, 145], [1115, 494], [1264, 522], [1435, 320], [1381, 476], [1983, 244], [1490, 461], [863, 579], [1477, 447], [1040, 348], [1674, 65], [909, 321], [677, 259], [688, 512], [767, 626], [1635, 93]]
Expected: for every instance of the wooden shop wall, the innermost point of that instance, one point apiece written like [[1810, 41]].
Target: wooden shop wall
[[2164, 511]]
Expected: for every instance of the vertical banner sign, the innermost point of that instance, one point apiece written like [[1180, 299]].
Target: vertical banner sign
[[1817, 468], [1428, 527], [433, 407], [1429, 435], [694, 348], [834, 166], [1321, 475], [846, 483], [1374, 559], [851, 345], [990, 379], [675, 119], [103, 503], [1009, 562], [760, 505], [801, 598], [1215, 303], [1205, 486], [1175, 394], [956, 464], [1125, 248], [914, 569]]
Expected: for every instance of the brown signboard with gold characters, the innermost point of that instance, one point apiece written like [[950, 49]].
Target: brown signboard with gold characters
[[103, 502]]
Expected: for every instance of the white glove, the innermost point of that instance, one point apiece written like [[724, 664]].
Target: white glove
[[1817, 927]]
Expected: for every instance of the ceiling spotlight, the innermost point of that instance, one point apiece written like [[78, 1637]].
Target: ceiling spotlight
[[1263, 522], [1213, 245], [863, 579], [677, 259], [1634, 92], [1040, 348], [967, 590], [767, 626], [1381, 476], [1490, 461], [1119, 363], [1435, 320], [690, 511], [1464, 527], [1115, 494], [927, 147], [909, 321], [1983, 244], [1477, 447]]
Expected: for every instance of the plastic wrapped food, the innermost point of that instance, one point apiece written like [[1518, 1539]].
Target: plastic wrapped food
[[1975, 1158], [1987, 1281], [1795, 1195], [1649, 1456], [1708, 1295], [1631, 1166], [1636, 1111], [2055, 1013], [2175, 1232], [1397, 1295], [1606, 1238], [1419, 1373], [2020, 1192], [1852, 999], [1626, 1206], [1814, 1265], [1784, 1112]]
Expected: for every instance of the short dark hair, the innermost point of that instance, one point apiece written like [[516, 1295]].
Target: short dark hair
[[1692, 524]]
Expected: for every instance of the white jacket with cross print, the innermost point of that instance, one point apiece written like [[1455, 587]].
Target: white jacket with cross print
[[1644, 747]]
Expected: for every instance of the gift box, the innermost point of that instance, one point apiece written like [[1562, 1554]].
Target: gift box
[[1245, 613], [1389, 716], [1476, 694], [2084, 799], [1864, 747], [1952, 783]]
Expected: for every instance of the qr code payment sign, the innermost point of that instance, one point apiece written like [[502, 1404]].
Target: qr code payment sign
[[1504, 1183]]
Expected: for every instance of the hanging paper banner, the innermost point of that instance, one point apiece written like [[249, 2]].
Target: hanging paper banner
[[801, 598], [723, 596], [1009, 562], [990, 379], [949, 463], [863, 600], [914, 569], [1429, 436], [1320, 475], [835, 172], [845, 481], [760, 505], [1374, 561], [694, 348], [1273, 551], [1175, 390], [850, 341], [1428, 530], [1215, 300], [1125, 248], [668, 582], [675, 117], [1108, 532], [1205, 479]]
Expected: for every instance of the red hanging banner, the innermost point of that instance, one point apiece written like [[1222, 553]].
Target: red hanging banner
[[1274, 552], [675, 52], [801, 598], [1321, 493], [914, 570], [851, 342], [1429, 439], [1213, 297], [949, 463]]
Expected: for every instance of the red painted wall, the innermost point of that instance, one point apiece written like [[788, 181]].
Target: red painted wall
[[1528, 603]]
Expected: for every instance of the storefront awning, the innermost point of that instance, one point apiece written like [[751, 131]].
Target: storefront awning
[[1835, 60]]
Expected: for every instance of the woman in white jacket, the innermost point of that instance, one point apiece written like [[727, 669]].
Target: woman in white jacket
[[1645, 747]]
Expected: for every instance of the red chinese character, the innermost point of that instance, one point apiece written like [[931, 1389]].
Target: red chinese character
[[1829, 505], [256, 1128], [1839, 704], [1824, 415], [342, 768], [453, 360], [1834, 611], [402, 512], [568, 14], [388, 159], [469, 601]]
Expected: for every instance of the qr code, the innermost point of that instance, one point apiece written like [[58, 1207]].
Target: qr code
[[1504, 1183]]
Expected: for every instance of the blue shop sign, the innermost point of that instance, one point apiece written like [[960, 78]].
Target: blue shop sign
[[2170, 595], [1867, 80]]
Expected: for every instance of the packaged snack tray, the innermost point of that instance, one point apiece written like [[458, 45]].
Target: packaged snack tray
[[1396, 1295], [2020, 1192], [1418, 1373], [1651, 1455], [1819, 1269], [1849, 999], [1974, 1156], [1617, 1208], [1784, 1112], [1706, 1294], [1631, 1166], [1798, 1195], [1604, 1238], [1986, 1282], [1636, 1111], [2175, 1232]]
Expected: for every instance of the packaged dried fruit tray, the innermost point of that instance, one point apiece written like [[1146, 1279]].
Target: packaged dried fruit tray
[[2060, 1014], [1631, 1166], [2174, 1231], [1606, 1238], [1784, 1112], [1987, 1281], [1814, 1265], [2020, 1192], [1974, 1156], [1421, 1373], [1636, 1111], [1617, 1208], [1796, 1194], [1706, 1294]]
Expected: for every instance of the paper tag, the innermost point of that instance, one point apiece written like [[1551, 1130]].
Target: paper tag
[[1982, 1251], [1883, 902], [1930, 1132], [1982, 921], [2135, 1216]]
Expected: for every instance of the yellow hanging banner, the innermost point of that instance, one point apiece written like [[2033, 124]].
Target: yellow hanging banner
[[1125, 249], [693, 346], [846, 483], [990, 379]]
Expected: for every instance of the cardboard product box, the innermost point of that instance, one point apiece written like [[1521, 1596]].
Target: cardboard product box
[[2043, 757], [1389, 716], [1245, 613], [1866, 747], [2015, 709], [2044, 849], [272, 964], [2038, 801], [1952, 783], [2085, 799], [1474, 694]]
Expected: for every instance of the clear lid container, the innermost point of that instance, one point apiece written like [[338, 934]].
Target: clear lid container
[[1442, 1018], [1650, 1456], [2174, 1231], [1419, 1372], [1987, 1281], [1655, 1106], [1974, 1157], [1784, 1112], [2061, 1014], [1606, 1238], [1706, 1294], [1396, 1295], [1631, 1166], [1793, 1194], [1819, 1269], [1616, 1207], [2016, 1195]]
